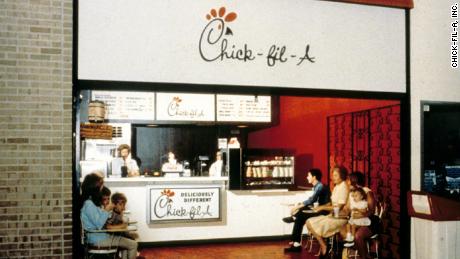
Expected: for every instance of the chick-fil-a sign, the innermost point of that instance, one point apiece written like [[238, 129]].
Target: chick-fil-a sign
[[185, 107], [190, 204], [216, 45], [232, 44]]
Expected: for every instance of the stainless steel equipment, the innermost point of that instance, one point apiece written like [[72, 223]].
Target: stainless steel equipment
[[94, 151]]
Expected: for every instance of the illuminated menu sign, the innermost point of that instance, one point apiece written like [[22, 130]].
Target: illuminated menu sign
[[244, 108], [185, 107], [123, 105]]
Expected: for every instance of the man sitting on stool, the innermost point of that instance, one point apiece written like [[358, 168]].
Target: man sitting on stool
[[320, 195]]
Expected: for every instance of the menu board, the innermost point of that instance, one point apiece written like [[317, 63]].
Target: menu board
[[244, 108], [185, 107], [123, 105]]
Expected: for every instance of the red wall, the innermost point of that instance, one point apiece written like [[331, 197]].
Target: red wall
[[303, 126]]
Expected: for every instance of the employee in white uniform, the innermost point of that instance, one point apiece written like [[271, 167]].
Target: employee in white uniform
[[218, 166], [124, 159], [171, 165]]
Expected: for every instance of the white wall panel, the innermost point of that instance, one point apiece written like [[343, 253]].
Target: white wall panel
[[355, 47], [433, 79]]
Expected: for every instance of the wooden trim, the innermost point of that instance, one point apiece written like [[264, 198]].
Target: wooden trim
[[387, 3]]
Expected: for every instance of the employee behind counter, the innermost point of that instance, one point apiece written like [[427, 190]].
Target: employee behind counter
[[217, 168], [124, 165], [171, 165]]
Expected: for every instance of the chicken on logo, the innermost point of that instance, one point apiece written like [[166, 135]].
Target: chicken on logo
[[168, 193], [177, 100], [220, 18]]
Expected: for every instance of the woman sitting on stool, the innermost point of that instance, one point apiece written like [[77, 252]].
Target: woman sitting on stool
[[93, 217], [326, 226]]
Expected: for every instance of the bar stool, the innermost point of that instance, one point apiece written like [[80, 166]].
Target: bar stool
[[309, 239], [92, 251], [372, 240], [333, 242]]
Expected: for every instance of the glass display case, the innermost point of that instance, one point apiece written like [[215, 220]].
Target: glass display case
[[268, 168], [271, 171], [261, 168]]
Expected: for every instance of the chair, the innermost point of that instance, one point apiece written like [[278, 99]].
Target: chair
[[309, 239], [92, 251], [331, 241]]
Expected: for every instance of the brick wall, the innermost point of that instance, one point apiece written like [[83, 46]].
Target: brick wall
[[35, 128]]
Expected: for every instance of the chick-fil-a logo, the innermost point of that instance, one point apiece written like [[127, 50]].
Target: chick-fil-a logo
[[214, 43], [174, 109], [163, 208]]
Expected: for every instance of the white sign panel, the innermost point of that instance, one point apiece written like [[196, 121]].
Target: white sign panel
[[127, 105], [187, 204], [298, 43], [185, 107], [420, 204], [243, 108]]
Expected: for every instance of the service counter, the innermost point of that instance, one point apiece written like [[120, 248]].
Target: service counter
[[218, 213]]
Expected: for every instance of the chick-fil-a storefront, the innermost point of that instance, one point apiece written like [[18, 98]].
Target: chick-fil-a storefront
[[304, 49]]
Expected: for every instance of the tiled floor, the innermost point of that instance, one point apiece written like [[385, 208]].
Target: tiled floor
[[250, 250]]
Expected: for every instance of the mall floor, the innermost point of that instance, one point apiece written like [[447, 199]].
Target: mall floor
[[249, 250]]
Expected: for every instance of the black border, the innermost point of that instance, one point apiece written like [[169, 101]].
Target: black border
[[368, 4], [422, 134], [232, 89], [213, 241], [405, 184], [404, 98], [77, 247]]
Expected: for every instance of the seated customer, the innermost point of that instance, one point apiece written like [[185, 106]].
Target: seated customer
[[320, 195], [119, 202], [93, 217], [116, 221], [357, 180], [326, 226], [358, 206], [105, 193]]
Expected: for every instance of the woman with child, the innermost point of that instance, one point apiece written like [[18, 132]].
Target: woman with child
[[94, 216]]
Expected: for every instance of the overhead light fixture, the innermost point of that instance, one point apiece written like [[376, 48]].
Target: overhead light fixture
[[242, 126], [152, 125]]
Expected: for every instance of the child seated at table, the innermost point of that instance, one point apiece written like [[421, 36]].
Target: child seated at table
[[358, 203], [119, 201]]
